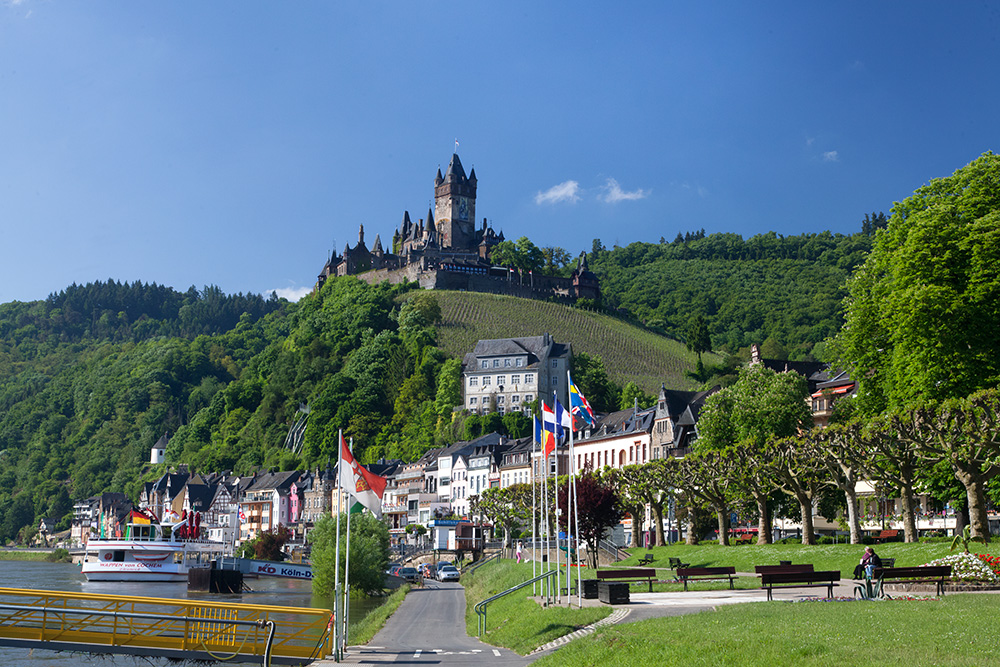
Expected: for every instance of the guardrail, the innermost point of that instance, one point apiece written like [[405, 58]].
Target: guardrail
[[480, 607], [472, 567], [614, 551], [179, 629]]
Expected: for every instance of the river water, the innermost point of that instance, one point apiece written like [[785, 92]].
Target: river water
[[67, 577]]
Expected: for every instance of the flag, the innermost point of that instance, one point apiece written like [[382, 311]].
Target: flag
[[579, 406], [563, 418], [550, 430], [364, 486], [243, 517]]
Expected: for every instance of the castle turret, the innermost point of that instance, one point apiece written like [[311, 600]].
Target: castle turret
[[455, 207]]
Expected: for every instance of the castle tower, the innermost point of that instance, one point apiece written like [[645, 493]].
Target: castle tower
[[455, 207]]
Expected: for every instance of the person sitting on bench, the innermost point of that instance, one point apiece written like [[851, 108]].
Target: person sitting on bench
[[868, 563]]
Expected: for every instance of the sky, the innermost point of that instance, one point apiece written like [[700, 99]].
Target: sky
[[236, 143]]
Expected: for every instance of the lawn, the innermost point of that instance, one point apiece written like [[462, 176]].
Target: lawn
[[516, 621], [952, 631], [841, 557]]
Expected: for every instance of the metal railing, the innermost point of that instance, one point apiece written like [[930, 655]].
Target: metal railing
[[472, 567], [613, 551], [480, 607], [180, 629]]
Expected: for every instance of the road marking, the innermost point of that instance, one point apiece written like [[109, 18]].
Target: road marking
[[417, 654], [496, 653]]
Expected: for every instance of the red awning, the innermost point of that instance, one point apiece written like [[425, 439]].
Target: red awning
[[836, 391]]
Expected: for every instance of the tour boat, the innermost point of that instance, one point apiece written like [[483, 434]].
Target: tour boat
[[149, 552]]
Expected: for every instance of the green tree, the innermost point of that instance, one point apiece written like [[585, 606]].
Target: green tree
[[631, 393], [369, 553], [697, 337], [599, 510], [592, 379], [923, 312]]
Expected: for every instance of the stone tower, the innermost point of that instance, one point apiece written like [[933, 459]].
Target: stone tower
[[455, 207]]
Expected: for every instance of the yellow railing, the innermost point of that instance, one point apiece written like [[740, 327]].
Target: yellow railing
[[165, 627]]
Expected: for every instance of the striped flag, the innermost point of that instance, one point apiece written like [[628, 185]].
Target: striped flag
[[579, 406], [364, 486]]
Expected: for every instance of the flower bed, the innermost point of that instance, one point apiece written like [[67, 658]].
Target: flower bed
[[966, 567]]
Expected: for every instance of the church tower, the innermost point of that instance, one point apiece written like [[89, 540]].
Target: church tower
[[455, 207]]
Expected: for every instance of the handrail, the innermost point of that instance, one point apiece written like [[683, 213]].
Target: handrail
[[614, 550], [480, 607], [472, 567]]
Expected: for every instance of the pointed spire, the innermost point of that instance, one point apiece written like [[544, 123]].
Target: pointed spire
[[361, 235], [378, 245], [455, 170], [472, 176], [440, 179], [430, 220]]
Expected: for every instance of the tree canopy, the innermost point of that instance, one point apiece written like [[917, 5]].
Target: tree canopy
[[923, 311]]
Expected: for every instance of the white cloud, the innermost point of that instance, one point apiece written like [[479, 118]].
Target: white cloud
[[613, 193], [565, 191], [831, 156], [293, 294]]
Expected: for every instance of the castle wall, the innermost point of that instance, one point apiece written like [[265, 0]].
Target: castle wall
[[543, 287]]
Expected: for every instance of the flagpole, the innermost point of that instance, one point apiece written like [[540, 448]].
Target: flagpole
[[336, 572], [555, 490], [347, 571], [534, 523], [545, 512], [576, 503]]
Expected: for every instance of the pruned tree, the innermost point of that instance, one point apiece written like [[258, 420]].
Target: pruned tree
[[753, 476], [841, 451], [507, 507], [893, 461], [801, 477], [630, 499], [709, 473]]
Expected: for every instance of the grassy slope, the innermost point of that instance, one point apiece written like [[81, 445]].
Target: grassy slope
[[629, 352]]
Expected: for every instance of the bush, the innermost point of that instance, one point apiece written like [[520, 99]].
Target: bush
[[59, 556]]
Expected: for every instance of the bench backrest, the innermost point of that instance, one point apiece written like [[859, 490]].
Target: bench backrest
[[627, 573], [675, 562], [888, 533], [927, 571], [704, 571], [799, 577], [774, 569]]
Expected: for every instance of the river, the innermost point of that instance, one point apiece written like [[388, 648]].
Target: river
[[67, 577]]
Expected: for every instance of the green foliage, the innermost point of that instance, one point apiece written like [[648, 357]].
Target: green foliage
[[267, 545], [369, 553], [761, 405], [923, 312], [965, 537], [632, 395]]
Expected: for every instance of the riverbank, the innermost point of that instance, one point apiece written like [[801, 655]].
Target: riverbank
[[37, 555]]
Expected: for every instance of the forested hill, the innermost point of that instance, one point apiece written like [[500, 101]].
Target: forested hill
[[784, 288]]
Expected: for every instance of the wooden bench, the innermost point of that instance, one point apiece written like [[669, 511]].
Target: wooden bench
[[631, 575], [698, 573], [675, 563], [932, 574], [647, 559], [783, 569], [745, 538], [886, 535], [774, 580]]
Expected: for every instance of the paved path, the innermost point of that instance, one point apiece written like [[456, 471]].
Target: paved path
[[429, 626], [429, 629]]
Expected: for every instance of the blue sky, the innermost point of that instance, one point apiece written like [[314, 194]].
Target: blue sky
[[233, 143]]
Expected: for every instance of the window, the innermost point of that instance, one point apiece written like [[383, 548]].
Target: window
[[473, 381], [501, 379], [514, 399], [500, 399], [555, 379], [519, 362], [473, 400], [496, 363], [529, 378], [486, 364], [515, 379], [486, 380], [555, 363], [527, 398], [506, 363]]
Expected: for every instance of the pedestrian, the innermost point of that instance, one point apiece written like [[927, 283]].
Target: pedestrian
[[520, 546], [868, 564]]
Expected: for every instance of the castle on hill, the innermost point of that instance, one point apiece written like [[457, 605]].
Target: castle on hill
[[447, 251]]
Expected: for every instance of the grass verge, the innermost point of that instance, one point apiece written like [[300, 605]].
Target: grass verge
[[953, 631], [517, 622], [364, 630], [16, 554]]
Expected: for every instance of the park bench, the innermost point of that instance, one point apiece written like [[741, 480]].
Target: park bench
[[686, 574], [675, 563], [783, 569], [745, 538], [931, 574], [647, 559], [887, 535], [774, 580], [630, 575]]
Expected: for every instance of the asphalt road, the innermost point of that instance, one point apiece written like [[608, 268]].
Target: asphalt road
[[429, 629]]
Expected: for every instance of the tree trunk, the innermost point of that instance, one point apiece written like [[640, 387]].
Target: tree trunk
[[974, 485], [853, 521], [658, 520], [722, 513], [805, 505], [764, 521], [636, 526], [692, 517], [909, 516]]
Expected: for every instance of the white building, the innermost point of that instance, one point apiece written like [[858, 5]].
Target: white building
[[507, 374]]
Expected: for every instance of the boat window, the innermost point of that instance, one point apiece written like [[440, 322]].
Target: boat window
[[118, 556]]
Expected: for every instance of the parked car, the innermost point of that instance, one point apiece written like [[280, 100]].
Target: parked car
[[409, 574], [442, 563], [448, 573]]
